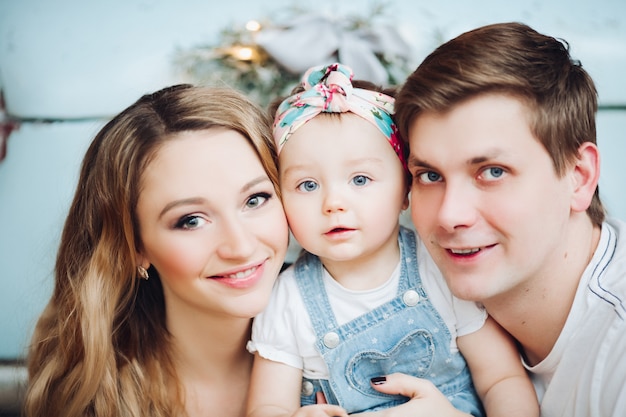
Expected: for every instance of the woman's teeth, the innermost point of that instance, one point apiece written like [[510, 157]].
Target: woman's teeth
[[464, 251], [241, 274]]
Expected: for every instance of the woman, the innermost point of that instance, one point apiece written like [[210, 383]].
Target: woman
[[172, 244]]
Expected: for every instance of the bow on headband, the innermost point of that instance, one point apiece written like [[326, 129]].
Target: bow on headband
[[328, 89]]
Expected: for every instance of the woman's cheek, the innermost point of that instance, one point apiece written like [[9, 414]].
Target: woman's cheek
[[178, 260]]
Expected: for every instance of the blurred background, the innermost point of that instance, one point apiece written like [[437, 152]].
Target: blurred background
[[67, 66]]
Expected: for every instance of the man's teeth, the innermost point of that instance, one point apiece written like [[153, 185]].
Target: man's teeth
[[242, 274], [464, 251]]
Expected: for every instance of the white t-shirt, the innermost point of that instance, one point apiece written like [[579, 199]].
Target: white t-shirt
[[585, 373], [283, 331]]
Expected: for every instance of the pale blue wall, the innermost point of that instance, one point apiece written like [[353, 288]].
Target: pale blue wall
[[87, 60]]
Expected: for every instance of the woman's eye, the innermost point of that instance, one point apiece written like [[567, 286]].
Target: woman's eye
[[360, 180], [257, 200], [428, 177], [189, 222], [493, 173], [307, 186]]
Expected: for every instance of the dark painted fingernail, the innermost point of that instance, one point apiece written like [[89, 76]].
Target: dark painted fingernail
[[379, 380]]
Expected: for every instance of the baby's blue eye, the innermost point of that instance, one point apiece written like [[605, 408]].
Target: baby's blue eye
[[360, 180], [308, 186]]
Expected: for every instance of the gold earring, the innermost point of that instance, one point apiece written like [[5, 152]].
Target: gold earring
[[142, 272]]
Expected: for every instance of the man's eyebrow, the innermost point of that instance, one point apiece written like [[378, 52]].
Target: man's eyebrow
[[487, 156], [414, 161]]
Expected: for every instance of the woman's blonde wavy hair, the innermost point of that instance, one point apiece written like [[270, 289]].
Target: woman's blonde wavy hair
[[101, 346]]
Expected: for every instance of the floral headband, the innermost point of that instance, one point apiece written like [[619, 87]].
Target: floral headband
[[328, 89]]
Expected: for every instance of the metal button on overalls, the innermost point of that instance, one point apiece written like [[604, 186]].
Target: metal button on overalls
[[331, 340], [411, 298]]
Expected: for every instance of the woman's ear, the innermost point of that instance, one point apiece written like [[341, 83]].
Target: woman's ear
[[586, 174], [141, 260], [142, 266], [405, 204], [407, 191]]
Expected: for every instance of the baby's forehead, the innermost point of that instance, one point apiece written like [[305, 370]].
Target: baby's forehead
[[343, 121], [333, 135], [336, 128], [333, 117]]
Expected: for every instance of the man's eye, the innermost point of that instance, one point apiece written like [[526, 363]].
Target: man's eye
[[428, 177], [493, 173]]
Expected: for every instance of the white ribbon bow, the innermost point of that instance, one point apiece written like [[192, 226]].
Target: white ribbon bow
[[317, 40]]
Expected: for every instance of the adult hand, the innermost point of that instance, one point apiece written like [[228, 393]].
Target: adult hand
[[320, 410], [425, 399]]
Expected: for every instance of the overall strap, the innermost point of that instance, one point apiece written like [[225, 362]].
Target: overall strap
[[409, 272], [309, 277]]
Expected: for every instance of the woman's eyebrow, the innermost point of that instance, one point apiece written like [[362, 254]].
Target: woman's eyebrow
[[181, 202], [201, 200]]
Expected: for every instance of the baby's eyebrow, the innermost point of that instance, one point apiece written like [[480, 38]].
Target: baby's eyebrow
[[296, 168], [369, 159]]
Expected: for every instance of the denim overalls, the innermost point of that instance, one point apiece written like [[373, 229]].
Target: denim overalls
[[404, 335]]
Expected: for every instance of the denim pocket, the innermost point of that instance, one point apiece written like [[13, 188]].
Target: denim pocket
[[413, 355]]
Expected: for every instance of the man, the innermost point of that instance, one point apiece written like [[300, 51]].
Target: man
[[501, 129]]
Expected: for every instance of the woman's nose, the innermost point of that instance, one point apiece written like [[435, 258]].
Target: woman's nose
[[236, 240]]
